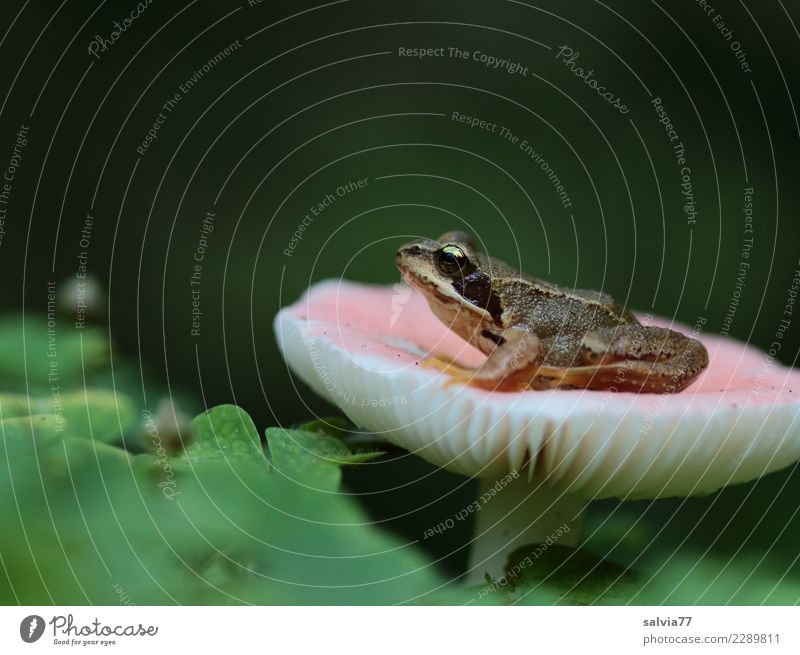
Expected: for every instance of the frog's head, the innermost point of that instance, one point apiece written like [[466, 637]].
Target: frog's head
[[452, 273]]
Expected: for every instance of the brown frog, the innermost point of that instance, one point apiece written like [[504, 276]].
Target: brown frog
[[538, 335]]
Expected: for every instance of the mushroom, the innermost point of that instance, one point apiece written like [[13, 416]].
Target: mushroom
[[540, 455]]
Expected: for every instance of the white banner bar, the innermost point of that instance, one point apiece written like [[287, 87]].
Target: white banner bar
[[354, 630]]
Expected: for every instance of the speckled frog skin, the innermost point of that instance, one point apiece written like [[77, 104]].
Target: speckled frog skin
[[538, 335]]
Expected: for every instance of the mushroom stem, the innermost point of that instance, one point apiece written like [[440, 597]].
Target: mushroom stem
[[515, 512]]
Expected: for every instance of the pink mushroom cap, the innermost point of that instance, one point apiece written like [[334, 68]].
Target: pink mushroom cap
[[363, 347]]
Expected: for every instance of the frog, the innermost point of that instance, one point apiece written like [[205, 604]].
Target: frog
[[538, 335]]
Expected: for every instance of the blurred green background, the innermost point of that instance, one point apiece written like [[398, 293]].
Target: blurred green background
[[314, 96]]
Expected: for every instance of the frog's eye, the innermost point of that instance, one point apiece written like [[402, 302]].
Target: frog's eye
[[450, 260]]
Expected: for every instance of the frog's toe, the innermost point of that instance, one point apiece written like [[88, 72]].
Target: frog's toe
[[456, 374], [440, 363]]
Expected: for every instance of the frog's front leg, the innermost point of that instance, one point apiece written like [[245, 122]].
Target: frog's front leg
[[509, 366], [639, 358]]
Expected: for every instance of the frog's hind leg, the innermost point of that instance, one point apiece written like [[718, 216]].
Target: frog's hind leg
[[638, 358]]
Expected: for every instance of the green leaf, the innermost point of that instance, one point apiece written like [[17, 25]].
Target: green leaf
[[362, 446], [32, 430], [89, 414], [91, 524], [333, 426], [224, 433], [543, 574], [298, 455], [98, 414], [359, 456], [37, 355], [302, 443], [20, 405], [313, 455]]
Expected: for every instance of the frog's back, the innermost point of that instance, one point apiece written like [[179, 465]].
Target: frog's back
[[542, 304], [605, 303], [555, 309]]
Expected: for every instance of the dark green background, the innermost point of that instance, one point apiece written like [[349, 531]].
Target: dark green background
[[300, 109]]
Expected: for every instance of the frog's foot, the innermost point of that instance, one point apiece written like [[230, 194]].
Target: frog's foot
[[440, 363], [638, 358], [457, 374]]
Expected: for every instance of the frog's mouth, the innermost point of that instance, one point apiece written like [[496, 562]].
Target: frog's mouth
[[433, 293], [428, 288]]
